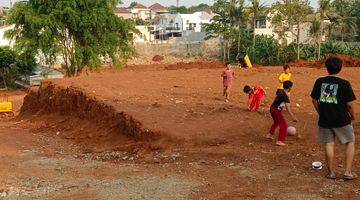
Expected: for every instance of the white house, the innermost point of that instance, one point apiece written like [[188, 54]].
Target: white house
[[265, 27], [141, 11], [195, 21], [3, 40]]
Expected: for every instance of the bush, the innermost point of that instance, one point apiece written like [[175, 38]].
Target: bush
[[13, 65], [269, 52]]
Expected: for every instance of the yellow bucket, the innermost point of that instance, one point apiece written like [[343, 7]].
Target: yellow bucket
[[6, 107]]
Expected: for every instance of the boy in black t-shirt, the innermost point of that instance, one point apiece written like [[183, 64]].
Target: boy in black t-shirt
[[333, 99], [281, 101]]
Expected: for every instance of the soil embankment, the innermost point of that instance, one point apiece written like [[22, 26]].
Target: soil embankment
[[81, 116]]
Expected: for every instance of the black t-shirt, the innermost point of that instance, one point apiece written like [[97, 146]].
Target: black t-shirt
[[280, 99], [333, 93]]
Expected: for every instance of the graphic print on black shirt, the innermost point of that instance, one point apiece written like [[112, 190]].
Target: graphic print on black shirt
[[333, 94], [329, 93]]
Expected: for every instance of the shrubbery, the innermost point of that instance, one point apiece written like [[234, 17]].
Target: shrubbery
[[269, 52], [13, 65]]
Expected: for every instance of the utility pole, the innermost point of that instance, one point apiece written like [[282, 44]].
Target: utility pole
[[11, 4], [177, 3]]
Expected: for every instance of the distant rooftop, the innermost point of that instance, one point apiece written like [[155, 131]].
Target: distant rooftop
[[139, 5], [122, 10], [157, 7]]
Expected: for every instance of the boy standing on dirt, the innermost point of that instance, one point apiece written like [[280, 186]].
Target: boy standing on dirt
[[227, 76], [256, 95], [333, 99], [281, 101], [285, 76]]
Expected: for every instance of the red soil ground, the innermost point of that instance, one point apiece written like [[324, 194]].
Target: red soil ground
[[177, 112]]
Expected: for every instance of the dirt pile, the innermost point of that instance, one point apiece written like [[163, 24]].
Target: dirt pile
[[195, 65], [158, 58], [83, 117], [308, 64], [348, 61]]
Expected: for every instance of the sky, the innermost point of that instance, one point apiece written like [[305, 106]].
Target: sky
[[169, 2]]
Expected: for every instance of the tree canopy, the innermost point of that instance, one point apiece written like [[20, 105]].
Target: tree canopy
[[80, 32]]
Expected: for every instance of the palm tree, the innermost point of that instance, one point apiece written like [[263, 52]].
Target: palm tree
[[257, 10], [316, 34], [342, 17], [238, 20], [324, 8]]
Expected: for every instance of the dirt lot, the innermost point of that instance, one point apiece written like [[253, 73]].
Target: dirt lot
[[164, 132]]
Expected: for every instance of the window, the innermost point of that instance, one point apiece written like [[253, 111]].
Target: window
[[261, 23]]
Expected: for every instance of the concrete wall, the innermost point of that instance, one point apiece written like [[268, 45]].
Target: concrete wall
[[207, 49]]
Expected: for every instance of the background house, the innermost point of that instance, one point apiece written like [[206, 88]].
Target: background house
[[140, 11], [123, 12], [167, 25], [158, 9], [195, 21]]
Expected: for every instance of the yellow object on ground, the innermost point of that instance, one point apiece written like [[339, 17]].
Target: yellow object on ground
[[247, 61], [6, 107]]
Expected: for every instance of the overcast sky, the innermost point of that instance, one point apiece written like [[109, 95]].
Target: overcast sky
[[168, 2]]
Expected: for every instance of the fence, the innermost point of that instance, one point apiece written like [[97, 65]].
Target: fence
[[208, 49]]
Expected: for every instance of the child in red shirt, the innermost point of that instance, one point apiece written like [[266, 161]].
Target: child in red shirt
[[256, 95]]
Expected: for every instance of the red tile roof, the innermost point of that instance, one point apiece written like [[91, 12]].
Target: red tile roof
[[122, 10], [158, 6], [139, 5]]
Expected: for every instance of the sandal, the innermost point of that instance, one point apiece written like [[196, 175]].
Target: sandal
[[330, 176], [349, 178]]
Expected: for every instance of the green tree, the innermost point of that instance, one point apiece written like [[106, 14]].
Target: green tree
[[355, 12], [343, 19], [324, 9], [316, 34], [180, 10], [7, 62], [221, 25], [132, 5], [82, 32], [289, 15], [200, 7], [257, 10], [238, 22], [13, 64], [139, 22]]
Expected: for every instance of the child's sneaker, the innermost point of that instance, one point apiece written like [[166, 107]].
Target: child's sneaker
[[269, 136], [279, 143]]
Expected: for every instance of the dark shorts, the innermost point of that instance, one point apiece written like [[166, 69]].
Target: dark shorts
[[345, 134]]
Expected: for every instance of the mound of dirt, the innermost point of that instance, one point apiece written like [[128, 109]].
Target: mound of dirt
[[348, 61], [82, 117], [196, 65], [308, 64], [158, 58]]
